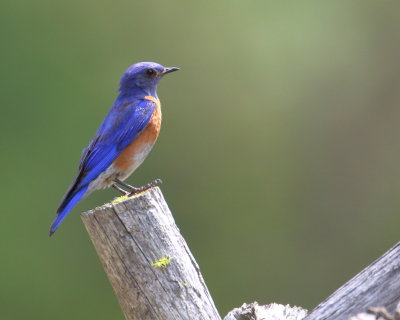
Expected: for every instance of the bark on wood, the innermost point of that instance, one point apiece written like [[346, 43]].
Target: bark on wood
[[378, 285], [272, 311], [147, 261], [378, 314]]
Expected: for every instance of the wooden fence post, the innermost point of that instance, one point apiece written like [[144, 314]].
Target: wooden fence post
[[155, 276], [147, 261]]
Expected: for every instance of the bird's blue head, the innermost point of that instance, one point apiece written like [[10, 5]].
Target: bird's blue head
[[144, 76]]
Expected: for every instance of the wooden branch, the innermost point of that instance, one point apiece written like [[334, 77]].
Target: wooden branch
[[147, 261], [378, 285]]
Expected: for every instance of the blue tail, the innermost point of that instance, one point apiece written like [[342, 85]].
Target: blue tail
[[66, 207]]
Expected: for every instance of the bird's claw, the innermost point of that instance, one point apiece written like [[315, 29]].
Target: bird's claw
[[145, 187]]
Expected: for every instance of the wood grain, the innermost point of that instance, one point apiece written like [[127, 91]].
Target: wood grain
[[147, 261]]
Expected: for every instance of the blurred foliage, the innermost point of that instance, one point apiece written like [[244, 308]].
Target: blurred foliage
[[279, 150]]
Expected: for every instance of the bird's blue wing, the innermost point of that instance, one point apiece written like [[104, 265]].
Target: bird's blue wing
[[121, 126]]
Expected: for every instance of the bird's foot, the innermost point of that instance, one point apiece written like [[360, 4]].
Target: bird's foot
[[151, 184], [134, 190]]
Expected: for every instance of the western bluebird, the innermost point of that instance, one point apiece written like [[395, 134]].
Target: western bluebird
[[123, 140]]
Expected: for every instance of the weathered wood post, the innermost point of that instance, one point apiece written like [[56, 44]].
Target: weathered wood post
[[147, 261], [155, 276]]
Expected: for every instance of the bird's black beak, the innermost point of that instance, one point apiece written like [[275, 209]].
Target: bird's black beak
[[169, 70]]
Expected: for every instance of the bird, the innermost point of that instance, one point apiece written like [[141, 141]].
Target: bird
[[123, 140]]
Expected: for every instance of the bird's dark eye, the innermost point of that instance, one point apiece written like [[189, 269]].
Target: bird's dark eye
[[151, 72]]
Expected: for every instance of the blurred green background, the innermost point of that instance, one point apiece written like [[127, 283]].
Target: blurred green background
[[279, 150]]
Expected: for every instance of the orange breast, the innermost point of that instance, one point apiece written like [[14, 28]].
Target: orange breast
[[134, 154]]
